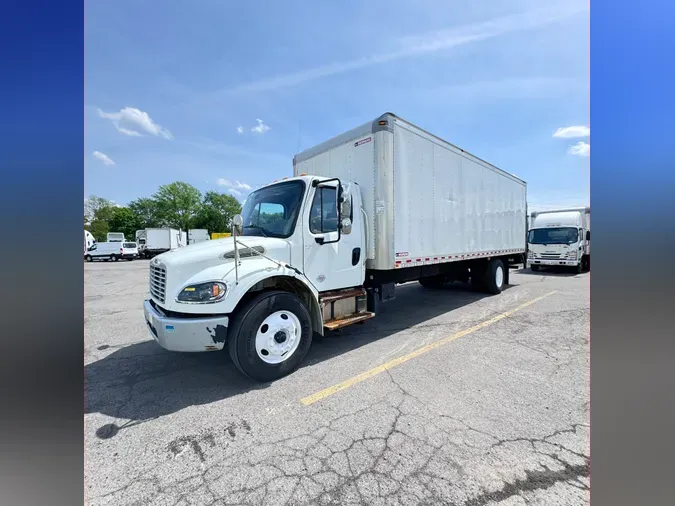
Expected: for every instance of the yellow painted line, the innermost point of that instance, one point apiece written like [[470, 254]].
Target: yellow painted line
[[311, 399]]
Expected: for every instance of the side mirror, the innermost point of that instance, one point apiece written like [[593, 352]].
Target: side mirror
[[237, 224], [345, 209], [588, 235]]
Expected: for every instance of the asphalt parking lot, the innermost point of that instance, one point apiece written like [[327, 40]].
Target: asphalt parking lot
[[446, 397]]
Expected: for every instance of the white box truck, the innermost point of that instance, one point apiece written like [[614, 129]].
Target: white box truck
[[383, 204], [154, 241], [196, 235], [89, 240], [115, 237], [560, 237]]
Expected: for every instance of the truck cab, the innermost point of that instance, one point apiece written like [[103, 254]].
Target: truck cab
[[294, 265], [559, 238]]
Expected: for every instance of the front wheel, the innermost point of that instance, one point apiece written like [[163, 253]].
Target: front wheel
[[270, 336], [89, 258], [113, 258], [534, 268]]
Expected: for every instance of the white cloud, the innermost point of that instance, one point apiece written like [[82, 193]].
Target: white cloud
[[235, 192], [103, 157], [260, 128], [134, 122], [240, 129], [581, 148], [234, 185], [572, 132], [426, 43]]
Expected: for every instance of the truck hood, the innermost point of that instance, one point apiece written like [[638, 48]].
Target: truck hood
[[213, 261], [206, 254]]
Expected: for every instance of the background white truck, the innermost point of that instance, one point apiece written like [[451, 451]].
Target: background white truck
[[154, 241], [89, 240], [560, 237], [115, 237], [196, 235], [383, 204]]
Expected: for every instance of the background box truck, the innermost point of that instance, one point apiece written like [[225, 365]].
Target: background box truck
[[89, 240], [154, 241], [382, 204], [115, 237], [560, 237], [196, 235]]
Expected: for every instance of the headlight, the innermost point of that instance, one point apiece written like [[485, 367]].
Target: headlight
[[203, 292], [572, 255]]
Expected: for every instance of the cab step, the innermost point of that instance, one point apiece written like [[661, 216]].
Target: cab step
[[344, 321]]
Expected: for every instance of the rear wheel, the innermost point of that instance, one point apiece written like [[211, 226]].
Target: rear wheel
[[270, 336], [494, 277]]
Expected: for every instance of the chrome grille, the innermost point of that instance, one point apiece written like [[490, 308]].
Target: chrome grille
[[550, 256], [158, 281]]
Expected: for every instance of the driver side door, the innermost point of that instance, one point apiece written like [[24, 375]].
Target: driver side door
[[336, 263]]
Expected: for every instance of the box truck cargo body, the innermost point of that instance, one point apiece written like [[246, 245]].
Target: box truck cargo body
[[426, 201], [382, 204], [154, 241], [115, 237], [560, 238], [196, 235]]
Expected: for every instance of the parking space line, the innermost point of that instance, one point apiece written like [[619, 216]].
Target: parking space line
[[327, 392]]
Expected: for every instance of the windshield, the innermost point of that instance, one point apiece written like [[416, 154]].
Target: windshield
[[272, 211], [560, 235], [129, 245]]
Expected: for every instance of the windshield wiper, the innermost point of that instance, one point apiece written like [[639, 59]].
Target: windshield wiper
[[258, 228]]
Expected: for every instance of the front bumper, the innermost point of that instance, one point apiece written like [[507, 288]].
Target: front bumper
[[185, 334], [557, 261]]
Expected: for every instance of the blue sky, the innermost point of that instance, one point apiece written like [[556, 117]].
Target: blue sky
[[221, 95]]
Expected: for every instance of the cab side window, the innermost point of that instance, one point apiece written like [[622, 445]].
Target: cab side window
[[323, 215]]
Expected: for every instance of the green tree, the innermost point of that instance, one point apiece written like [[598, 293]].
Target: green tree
[[94, 206], [99, 229], [177, 204], [147, 212], [216, 212], [124, 220]]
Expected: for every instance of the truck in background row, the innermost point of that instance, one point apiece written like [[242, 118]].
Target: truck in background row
[[89, 240], [382, 204], [196, 235], [560, 237], [155, 241], [115, 237]]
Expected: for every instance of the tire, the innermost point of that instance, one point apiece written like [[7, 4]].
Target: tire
[[579, 268], [245, 335], [534, 268], [113, 258], [495, 277], [587, 263], [431, 282], [89, 258]]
